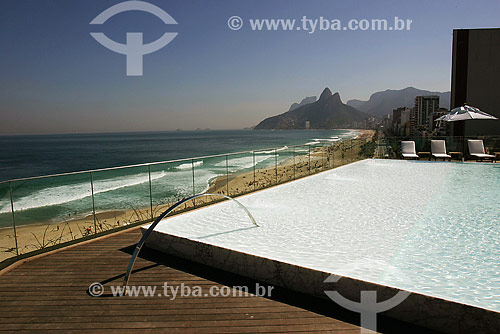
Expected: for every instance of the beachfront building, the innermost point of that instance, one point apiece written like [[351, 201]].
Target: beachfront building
[[401, 121], [420, 120], [474, 78]]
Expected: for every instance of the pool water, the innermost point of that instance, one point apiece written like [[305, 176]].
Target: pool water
[[427, 227]]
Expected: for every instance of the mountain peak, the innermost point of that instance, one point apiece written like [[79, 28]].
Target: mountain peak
[[326, 94], [306, 100], [327, 113], [336, 98]]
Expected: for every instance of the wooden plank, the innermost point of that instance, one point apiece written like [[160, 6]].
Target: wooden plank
[[49, 294]]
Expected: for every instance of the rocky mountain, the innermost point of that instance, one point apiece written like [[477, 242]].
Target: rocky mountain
[[356, 103], [328, 112], [382, 103], [306, 100]]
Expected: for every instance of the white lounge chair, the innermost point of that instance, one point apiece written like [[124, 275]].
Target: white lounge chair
[[476, 149], [438, 149], [408, 150]]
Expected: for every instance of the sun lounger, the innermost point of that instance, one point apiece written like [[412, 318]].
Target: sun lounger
[[408, 150], [438, 149], [476, 149]]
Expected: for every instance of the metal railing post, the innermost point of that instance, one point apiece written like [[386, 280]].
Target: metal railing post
[[351, 158], [276, 165], [13, 217], [309, 154], [329, 158], [343, 153], [227, 178], [322, 157], [194, 189], [253, 153], [350, 151], [93, 202], [150, 192], [294, 167]]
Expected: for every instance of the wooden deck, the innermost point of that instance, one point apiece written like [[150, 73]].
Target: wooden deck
[[49, 295]]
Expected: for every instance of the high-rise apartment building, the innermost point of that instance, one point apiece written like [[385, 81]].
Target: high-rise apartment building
[[421, 117]]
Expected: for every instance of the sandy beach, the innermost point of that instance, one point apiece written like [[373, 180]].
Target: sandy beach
[[291, 169], [46, 234]]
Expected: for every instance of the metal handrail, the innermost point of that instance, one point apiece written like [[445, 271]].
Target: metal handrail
[[163, 215]]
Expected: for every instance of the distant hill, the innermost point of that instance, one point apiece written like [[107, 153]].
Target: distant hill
[[356, 103], [328, 112], [306, 100], [382, 103]]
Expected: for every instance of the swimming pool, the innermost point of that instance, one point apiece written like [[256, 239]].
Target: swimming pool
[[435, 224]]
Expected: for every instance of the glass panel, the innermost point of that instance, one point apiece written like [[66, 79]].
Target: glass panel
[[220, 172], [51, 211], [240, 167], [367, 148], [336, 152], [457, 145], [121, 197], [350, 150], [170, 183], [491, 145], [301, 161], [265, 171], [286, 165], [422, 146], [356, 149], [341, 153], [329, 149], [210, 177], [317, 158], [294, 159], [7, 236]]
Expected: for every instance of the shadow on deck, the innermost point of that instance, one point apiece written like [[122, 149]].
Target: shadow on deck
[[50, 294]]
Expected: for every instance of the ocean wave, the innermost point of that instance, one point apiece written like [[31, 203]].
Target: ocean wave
[[349, 134], [312, 143], [189, 165], [243, 162], [63, 194], [326, 139], [272, 151]]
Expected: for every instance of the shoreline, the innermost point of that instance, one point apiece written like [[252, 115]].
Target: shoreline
[[39, 235]]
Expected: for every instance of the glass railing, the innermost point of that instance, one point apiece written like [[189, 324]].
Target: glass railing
[[42, 213]]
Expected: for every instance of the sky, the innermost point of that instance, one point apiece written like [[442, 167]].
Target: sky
[[56, 78]]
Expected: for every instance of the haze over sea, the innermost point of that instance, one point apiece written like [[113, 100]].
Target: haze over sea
[[46, 199]]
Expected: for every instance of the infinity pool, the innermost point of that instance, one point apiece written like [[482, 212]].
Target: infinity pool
[[427, 227]]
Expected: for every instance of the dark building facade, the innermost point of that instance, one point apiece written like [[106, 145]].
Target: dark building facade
[[475, 78]]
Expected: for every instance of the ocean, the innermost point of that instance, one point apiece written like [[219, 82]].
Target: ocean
[[49, 199]]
